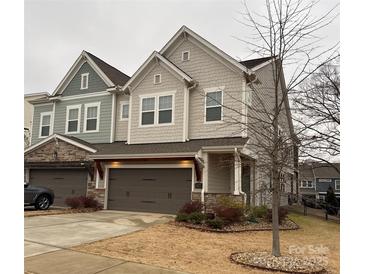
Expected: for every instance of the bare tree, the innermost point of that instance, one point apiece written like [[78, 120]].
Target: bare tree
[[287, 31], [317, 114]]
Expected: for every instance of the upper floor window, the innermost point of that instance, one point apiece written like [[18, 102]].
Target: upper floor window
[[91, 120], [165, 109], [73, 119], [307, 184], [185, 56], [213, 106], [157, 79], [337, 184], [84, 80], [157, 110], [45, 128], [124, 110]]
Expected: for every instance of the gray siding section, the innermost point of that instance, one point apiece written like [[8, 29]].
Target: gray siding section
[[209, 73], [103, 136], [96, 84], [158, 133], [323, 186], [38, 109], [121, 127]]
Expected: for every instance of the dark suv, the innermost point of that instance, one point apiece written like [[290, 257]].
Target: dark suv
[[39, 197]]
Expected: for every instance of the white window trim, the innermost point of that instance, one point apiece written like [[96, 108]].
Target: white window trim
[[182, 55], [121, 104], [209, 90], [50, 123], [87, 80], [86, 106], [154, 79], [302, 185], [68, 108], [156, 109], [336, 183]]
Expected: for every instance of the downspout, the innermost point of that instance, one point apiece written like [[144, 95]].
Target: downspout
[[237, 155], [187, 110]]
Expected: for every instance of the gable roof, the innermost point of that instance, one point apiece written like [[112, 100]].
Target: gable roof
[[110, 75], [185, 30], [252, 63], [115, 75], [169, 65], [68, 139]]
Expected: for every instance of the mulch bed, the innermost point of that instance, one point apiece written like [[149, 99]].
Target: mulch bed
[[56, 211], [244, 227], [288, 264]]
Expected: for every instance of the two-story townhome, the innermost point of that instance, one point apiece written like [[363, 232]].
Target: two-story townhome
[[315, 179], [153, 141]]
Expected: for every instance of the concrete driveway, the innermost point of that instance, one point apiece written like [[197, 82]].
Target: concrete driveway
[[44, 234]]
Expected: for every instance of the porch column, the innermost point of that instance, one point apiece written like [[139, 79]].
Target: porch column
[[205, 175], [237, 173]]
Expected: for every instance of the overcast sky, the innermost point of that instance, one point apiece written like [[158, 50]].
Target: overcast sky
[[124, 33]]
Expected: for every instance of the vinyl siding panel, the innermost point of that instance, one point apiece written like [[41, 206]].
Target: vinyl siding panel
[[220, 173], [103, 136], [323, 186], [121, 127], [96, 84], [209, 72], [38, 109], [158, 133]]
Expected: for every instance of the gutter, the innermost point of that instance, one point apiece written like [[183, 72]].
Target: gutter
[[139, 156]]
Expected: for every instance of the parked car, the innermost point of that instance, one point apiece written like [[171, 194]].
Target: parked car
[[39, 197]]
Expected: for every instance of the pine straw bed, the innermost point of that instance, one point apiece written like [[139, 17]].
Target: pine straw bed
[[180, 248]]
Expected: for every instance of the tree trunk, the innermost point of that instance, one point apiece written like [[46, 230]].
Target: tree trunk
[[275, 215]]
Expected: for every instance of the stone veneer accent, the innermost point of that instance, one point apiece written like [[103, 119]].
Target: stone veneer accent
[[211, 199], [65, 152], [99, 193]]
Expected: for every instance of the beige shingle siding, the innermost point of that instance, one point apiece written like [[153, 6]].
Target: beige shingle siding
[[164, 133], [121, 127], [209, 73], [220, 173]]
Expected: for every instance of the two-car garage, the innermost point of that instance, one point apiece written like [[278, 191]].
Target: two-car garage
[[162, 190]]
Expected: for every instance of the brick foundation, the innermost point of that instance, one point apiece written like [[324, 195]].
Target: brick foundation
[[99, 193]]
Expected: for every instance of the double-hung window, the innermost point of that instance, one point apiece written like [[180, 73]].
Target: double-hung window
[[165, 109], [91, 120], [73, 119], [307, 184], [45, 128], [213, 106], [84, 81], [148, 111], [157, 110], [124, 110]]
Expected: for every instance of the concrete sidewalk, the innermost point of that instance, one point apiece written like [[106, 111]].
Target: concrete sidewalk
[[70, 262]]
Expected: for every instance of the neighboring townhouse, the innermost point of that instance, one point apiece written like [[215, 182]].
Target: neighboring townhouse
[[28, 114], [153, 141], [315, 179]]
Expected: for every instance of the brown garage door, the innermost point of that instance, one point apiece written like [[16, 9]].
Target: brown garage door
[[150, 190], [64, 182]]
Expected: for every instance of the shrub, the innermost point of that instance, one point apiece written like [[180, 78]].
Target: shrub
[[82, 202], [215, 223], [229, 202], [190, 207], [259, 211], [251, 218], [73, 202], [210, 216], [182, 217], [196, 217], [229, 214], [283, 212]]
